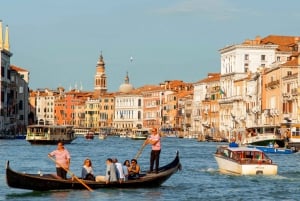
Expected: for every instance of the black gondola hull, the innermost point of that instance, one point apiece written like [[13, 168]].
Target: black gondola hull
[[51, 182]]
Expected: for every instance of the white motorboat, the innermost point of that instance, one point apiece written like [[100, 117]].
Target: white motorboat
[[244, 161]]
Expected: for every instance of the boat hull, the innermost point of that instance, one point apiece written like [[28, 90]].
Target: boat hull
[[48, 142], [102, 137], [51, 182], [244, 161], [273, 150], [139, 138], [89, 137]]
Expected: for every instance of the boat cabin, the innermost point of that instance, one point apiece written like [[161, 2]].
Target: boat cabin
[[49, 134], [243, 155]]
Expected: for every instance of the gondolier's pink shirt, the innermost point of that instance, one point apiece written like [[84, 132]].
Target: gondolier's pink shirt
[[61, 157], [155, 146]]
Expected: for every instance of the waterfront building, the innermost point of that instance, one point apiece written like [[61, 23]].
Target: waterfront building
[[290, 90], [169, 111], [99, 111], [199, 89], [281, 93], [205, 114], [106, 110], [175, 111], [7, 96], [153, 96], [184, 114], [257, 85], [19, 81], [45, 102], [92, 118], [128, 108], [252, 56], [14, 91], [79, 112], [280, 82], [244, 105], [69, 107]]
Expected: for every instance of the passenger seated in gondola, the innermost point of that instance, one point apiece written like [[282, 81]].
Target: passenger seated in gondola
[[134, 170], [120, 171], [125, 167], [87, 172], [110, 173]]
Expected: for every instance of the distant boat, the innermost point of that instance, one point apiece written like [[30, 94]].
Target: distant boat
[[140, 134], [123, 134], [244, 161], [89, 135], [264, 135], [293, 137], [273, 150], [170, 134], [102, 136], [20, 136], [50, 134], [81, 131]]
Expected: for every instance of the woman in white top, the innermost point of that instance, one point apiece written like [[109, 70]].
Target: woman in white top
[[87, 170]]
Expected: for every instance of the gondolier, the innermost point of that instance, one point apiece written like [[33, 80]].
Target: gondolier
[[154, 140]]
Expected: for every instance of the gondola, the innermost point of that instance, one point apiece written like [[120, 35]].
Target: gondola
[[47, 182]]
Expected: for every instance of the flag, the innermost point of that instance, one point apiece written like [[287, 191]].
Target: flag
[[222, 92]]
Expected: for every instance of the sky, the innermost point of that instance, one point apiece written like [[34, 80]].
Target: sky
[[59, 41]]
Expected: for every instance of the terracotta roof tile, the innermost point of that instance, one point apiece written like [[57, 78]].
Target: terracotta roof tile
[[18, 69], [284, 42], [293, 62], [211, 77]]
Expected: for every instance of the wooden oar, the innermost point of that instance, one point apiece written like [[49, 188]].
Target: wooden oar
[[140, 150], [72, 174]]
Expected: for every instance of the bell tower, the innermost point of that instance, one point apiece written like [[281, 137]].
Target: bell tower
[[100, 85]]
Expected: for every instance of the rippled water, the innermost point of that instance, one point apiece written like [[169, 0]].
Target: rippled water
[[198, 180]]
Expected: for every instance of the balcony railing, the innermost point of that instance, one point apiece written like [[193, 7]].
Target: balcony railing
[[294, 91], [272, 84]]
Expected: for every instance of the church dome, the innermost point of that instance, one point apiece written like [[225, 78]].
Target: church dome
[[126, 87]]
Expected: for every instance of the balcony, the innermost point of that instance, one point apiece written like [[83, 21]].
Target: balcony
[[272, 84], [150, 118], [294, 92], [285, 94]]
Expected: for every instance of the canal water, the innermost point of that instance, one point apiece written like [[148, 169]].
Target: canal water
[[198, 180]]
